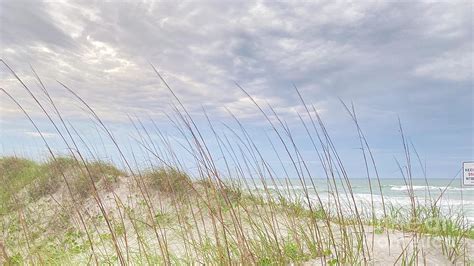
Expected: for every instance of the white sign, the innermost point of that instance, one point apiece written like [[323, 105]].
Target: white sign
[[468, 173]]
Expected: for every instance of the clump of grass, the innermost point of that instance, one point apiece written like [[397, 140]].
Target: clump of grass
[[45, 179], [49, 181], [168, 180], [105, 171], [97, 171], [15, 174], [224, 194], [233, 194], [428, 220]]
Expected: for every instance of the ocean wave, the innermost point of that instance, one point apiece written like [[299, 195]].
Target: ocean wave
[[404, 188], [364, 202], [403, 200]]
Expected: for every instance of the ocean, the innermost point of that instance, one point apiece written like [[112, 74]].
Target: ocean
[[455, 198]]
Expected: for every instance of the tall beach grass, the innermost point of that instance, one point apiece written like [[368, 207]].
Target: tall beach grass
[[213, 197]]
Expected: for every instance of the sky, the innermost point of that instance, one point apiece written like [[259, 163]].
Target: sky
[[407, 60]]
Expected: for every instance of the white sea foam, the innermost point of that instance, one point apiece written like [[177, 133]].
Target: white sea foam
[[455, 199], [437, 188]]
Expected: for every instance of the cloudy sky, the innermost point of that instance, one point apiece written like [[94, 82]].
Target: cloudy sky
[[406, 59]]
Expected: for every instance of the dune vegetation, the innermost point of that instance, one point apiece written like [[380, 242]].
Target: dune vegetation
[[232, 208]]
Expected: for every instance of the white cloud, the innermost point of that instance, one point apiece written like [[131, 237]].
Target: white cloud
[[38, 135], [328, 48], [455, 66]]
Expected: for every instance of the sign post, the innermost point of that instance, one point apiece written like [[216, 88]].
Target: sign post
[[468, 173]]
